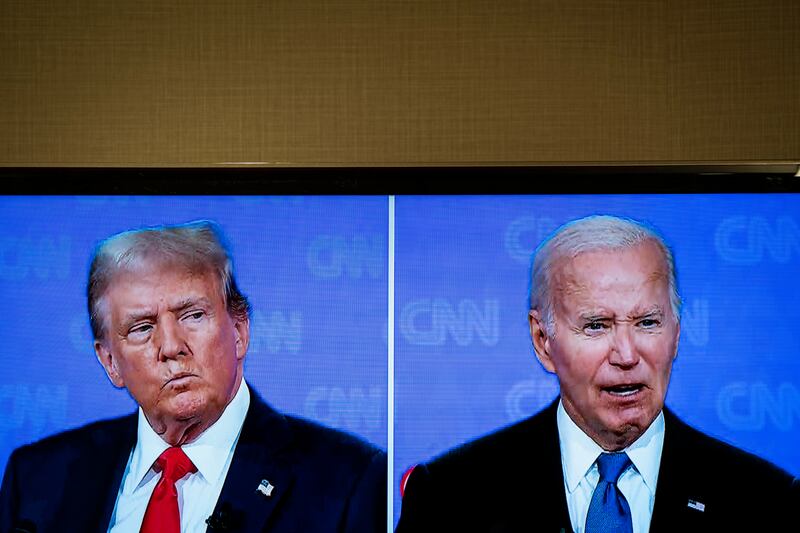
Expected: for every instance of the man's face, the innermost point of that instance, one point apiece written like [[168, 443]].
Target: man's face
[[614, 343], [169, 339]]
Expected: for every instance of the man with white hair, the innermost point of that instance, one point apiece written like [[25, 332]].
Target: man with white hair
[[606, 456], [203, 451]]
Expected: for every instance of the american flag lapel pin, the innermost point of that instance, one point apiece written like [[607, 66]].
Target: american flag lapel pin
[[265, 488], [697, 506]]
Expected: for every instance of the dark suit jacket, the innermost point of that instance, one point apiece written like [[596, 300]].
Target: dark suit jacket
[[325, 480], [512, 481]]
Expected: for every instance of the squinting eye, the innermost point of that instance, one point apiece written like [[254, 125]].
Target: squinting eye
[[649, 323], [594, 326], [140, 330], [195, 315]]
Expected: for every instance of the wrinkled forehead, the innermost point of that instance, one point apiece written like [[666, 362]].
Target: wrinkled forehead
[[157, 269], [609, 270], [155, 266]]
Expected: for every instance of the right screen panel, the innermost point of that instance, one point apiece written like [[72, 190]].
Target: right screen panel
[[464, 364]]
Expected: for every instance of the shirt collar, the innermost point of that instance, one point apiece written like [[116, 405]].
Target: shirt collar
[[645, 452], [579, 451], [209, 452]]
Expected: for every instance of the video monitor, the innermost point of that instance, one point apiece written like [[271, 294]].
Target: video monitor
[[402, 316]]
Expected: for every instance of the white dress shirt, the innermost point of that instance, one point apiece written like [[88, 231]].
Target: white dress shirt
[[638, 483], [198, 493]]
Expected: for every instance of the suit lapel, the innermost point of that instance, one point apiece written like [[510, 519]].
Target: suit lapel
[[543, 505], [554, 475], [679, 493], [95, 477], [259, 456]]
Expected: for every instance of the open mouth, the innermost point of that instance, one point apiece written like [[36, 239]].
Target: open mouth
[[622, 390]]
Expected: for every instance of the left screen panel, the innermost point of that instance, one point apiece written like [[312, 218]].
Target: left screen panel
[[314, 269]]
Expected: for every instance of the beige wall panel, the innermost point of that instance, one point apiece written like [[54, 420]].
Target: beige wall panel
[[369, 81], [736, 79]]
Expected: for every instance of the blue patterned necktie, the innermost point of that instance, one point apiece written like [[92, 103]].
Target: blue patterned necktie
[[609, 511]]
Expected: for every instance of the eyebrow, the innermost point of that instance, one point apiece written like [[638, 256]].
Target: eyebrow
[[135, 316], [656, 310], [598, 316], [593, 316], [186, 303]]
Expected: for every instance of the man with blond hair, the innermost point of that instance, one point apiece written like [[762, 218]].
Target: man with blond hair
[[203, 451]]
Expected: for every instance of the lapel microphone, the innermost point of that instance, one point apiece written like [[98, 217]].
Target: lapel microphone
[[24, 526], [221, 519]]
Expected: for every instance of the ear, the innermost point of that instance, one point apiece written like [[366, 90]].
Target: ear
[[109, 363], [677, 338], [540, 339], [242, 327]]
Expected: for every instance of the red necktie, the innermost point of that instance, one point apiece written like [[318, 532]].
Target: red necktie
[[162, 515]]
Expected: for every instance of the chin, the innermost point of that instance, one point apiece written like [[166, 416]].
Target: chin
[[635, 423], [188, 405]]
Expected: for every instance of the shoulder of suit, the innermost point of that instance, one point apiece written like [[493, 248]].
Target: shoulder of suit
[[304, 436], [101, 435], [715, 455], [313, 437], [500, 449]]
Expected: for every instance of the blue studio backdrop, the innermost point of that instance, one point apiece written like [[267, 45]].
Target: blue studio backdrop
[[464, 364], [314, 269]]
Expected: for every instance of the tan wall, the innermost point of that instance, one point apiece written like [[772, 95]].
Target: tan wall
[[377, 81]]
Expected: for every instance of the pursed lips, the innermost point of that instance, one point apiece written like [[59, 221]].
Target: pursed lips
[[175, 377]]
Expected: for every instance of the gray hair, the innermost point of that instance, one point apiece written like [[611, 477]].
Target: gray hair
[[199, 246], [592, 233]]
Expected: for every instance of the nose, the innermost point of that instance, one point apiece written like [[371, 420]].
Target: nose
[[623, 351], [172, 342]]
